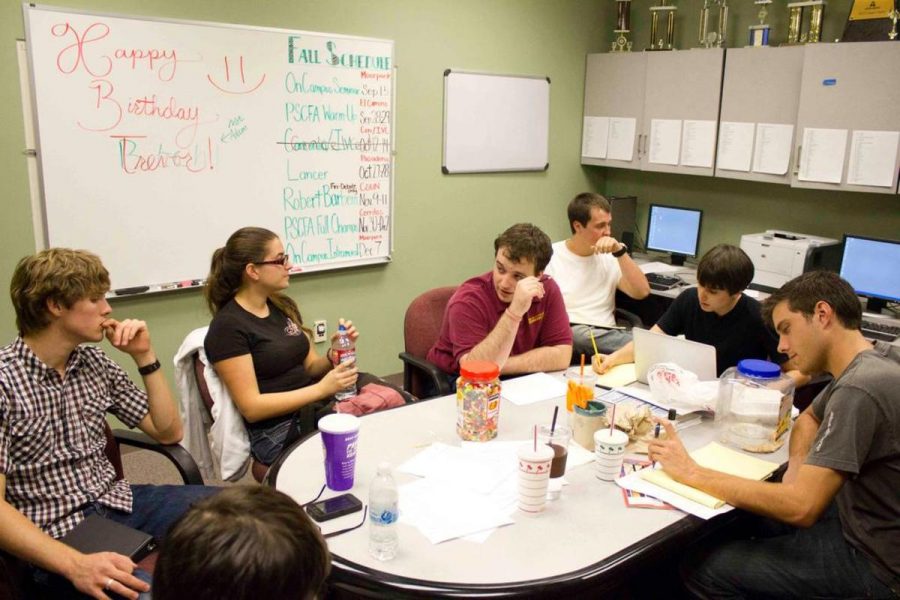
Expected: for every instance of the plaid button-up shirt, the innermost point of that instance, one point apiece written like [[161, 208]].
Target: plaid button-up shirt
[[52, 434]]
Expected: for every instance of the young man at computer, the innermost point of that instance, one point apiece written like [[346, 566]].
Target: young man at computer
[[717, 313], [836, 527], [589, 267], [513, 315]]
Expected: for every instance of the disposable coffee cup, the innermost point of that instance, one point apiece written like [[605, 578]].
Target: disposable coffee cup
[[609, 450], [339, 433], [534, 473], [558, 440]]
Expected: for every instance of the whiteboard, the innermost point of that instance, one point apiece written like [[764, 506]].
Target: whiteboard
[[156, 139], [495, 122]]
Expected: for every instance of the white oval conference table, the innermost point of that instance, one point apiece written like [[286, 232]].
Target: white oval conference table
[[585, 544]]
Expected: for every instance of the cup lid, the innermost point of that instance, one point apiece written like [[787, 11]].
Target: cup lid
[[338, 423]]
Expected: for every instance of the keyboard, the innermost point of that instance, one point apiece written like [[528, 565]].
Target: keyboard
[[659, 281], [880, 331]]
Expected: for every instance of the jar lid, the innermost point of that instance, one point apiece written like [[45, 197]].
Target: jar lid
[[753, 367], [479, 370]]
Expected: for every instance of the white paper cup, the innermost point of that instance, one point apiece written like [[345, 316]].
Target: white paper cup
[[609, 450], [534, 473]]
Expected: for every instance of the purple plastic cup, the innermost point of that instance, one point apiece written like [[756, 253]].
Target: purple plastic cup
[[339, 434]]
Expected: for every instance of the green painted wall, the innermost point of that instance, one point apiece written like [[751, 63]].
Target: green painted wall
[[444, 225], [732, 208]]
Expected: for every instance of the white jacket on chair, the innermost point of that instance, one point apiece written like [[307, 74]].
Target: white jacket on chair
[[227, 433]]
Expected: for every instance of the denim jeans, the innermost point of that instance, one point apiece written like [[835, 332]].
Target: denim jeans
[[782, 561], [608, 340], [154, 509]]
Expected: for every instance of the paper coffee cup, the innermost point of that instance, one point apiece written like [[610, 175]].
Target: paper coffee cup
[[534, 473], [609, 450], [339, 433]]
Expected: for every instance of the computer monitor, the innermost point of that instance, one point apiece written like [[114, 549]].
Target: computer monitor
[[872, 266], [674, 230]]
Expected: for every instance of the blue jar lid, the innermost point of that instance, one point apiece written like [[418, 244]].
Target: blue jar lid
[[753, 367]]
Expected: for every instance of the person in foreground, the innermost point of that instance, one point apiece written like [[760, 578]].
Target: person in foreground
[[837, 505], [589, 267], [718, 313], [54, 395], [245, 543], [513, 315], [259, 347]]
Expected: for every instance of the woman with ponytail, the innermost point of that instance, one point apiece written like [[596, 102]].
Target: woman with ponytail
[[258, 345]]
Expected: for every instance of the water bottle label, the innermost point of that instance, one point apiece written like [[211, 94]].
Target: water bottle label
[[384, 517], [341, 356]]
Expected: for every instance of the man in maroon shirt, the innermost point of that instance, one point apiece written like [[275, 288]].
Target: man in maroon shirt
[[513, 315]]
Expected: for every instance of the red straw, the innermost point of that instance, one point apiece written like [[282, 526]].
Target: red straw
[[612, 421]]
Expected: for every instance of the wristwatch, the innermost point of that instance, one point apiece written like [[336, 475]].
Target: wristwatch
[[147, 369], [620, 251]]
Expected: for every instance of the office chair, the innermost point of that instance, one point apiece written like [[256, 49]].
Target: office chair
[[14, 582], [257, 469], [421, 327]]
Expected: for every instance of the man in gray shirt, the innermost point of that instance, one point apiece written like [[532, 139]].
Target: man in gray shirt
[[838, 506]]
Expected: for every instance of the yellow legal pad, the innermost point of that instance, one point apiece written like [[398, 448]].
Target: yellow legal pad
[[718, 457], [618, 376]]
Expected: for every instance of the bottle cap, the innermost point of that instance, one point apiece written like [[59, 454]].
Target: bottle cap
[[341, 327], [753, 367], [479, 370], [384, 468]]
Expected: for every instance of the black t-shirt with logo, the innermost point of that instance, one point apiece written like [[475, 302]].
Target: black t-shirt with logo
[[739, 334], [276, 344]]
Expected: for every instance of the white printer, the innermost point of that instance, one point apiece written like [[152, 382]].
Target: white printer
[[779, 256]]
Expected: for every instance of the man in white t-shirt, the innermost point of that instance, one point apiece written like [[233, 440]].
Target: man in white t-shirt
[[589, 267]]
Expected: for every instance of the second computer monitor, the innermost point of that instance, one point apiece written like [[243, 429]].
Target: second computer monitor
[[674, 230], [872, 266]]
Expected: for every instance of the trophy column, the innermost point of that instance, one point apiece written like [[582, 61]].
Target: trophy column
[[623, 27], [797, 12], [759, 34], [657, 41]]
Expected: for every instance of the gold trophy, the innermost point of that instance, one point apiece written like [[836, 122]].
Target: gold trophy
[[657, 42], [811, 34], [623, 27], [713, 39], [759, 34], [893, 16]]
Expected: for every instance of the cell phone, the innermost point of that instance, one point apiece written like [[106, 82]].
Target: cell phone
[[331, 508]]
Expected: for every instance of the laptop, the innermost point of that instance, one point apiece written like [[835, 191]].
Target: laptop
[[651, 348]]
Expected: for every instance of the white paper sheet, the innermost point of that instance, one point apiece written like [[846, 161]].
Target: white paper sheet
[[698, 142], [658, 267], [532, 388], [772, 151], [594, 137], [665, 141], [620, 142], [735, 146], [636, 483], [873, 158], [822, 155], [442, 511]]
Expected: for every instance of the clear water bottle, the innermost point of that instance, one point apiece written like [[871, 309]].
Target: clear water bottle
[[342, 350], [383, 514]]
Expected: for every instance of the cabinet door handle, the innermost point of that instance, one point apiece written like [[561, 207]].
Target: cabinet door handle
[[797, 165]]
